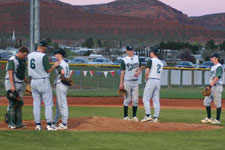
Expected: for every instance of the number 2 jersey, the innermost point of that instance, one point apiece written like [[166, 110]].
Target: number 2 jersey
[[156, 66], [63, 66], [38, 64]]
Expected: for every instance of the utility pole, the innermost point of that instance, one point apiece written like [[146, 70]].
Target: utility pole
[[34, 23]]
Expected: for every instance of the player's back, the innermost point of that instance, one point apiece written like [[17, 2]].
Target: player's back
[[35, 65], [156, 68]]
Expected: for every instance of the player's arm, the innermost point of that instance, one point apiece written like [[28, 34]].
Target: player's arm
[[122, 68], [139, 70], [71, 74], [47, 66], [147, 70], [219, 73], [11, 68], [61, 71]]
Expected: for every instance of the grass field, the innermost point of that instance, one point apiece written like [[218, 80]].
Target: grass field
[[173, 93], [45, 140]]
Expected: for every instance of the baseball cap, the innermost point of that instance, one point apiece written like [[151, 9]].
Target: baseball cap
[[130, 48], [60, 51], [215, 55], [43, 43], [155, 50]]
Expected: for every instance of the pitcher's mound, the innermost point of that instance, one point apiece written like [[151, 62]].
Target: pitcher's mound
[[96, 123], [109, 124]]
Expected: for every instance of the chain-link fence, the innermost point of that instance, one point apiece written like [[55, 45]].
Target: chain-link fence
[[101, 77]]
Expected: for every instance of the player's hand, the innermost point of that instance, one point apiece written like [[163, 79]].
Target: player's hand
[[137, 73], [13, 89], [121, 86], [56, 63]]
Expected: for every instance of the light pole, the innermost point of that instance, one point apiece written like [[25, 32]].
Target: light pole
[[34, 23]]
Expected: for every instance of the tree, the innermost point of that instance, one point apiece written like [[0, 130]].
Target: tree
[[89, 43], [186, 56], [222, 46], [211, 45]]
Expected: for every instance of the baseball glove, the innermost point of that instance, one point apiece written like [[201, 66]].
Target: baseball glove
[[122, 92], [67, 81], [12, 95], [207, 91], [28, 89]]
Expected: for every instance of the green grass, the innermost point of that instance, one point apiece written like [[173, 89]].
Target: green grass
[[44, 140], [172, 93]]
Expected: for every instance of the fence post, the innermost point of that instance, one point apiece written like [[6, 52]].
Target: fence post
[[169, 78]]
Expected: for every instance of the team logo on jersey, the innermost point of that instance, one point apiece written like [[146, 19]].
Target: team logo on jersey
[[131, 66]]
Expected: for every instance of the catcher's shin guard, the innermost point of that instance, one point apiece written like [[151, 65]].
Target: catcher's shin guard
[[18, 114]]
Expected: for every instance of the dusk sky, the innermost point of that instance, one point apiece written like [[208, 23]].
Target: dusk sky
[[189, 7]]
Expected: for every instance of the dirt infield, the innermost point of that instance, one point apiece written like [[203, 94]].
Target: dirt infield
[[118, 101], [96, 123], [108, 124]]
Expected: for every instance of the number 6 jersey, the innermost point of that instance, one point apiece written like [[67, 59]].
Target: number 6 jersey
[[38, 64]]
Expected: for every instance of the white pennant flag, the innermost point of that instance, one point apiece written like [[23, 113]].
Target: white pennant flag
[[105, 73], [85, 73]]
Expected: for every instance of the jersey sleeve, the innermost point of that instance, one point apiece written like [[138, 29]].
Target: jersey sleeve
[[46, 63], [122, 65], [59, 68], [11, 65], [149, 64], [139, 61], [219, 71]]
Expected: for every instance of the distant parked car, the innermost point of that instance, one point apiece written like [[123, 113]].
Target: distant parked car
[[78, 61], [4, 56], [53, 59], [117, 61], [185, 64], [164, 63], [144, 60], [206, 64], [102, 61]]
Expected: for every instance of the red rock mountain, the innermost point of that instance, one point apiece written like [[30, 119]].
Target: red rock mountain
[[214, 22], [64, 21], [152, 9]]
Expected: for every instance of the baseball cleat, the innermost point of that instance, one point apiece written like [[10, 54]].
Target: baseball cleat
[[21, 126], [135, 119], [126, 118], [207, 120], [155, 120], [146, 119], [215, 121], [38, 128], [51, 128], [62, 127], [11, 127]]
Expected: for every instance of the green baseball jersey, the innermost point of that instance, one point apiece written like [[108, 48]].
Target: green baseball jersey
[[38, 64], [63, 66], [217, 71], [156, 66], [130, 65], [18, 66]]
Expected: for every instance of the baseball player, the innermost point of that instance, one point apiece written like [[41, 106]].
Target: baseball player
[[153, 73], [38, 70], [62, 71], [216, 84], [130, 70], [14, 80]]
